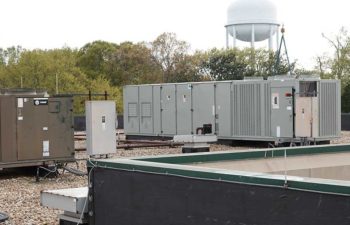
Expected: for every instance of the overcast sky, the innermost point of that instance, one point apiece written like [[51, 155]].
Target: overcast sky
[[56, 23]]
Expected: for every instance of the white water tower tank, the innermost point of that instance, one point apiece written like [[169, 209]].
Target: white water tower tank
[[251, 21]]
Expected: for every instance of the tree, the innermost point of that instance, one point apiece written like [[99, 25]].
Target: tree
[[235, 64], [93, 57], [189, 69], [132, 64], [100, 85], [169, 53], [10, 55], [338, 65], [225, 64]]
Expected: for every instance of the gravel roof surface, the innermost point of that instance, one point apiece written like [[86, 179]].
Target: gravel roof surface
[[20, 194]]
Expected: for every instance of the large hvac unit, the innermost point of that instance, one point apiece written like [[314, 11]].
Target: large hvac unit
[[281, 109], [35, 129]]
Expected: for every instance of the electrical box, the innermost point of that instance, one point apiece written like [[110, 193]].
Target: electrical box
[[100, 127]]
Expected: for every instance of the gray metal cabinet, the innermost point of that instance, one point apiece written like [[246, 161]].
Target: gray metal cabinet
[[168, 111], [329, 108], [184, 108], [146, 109], [156, 110], [223, 110], [282, 112], [238, 110], [203, 104], [131, 109]]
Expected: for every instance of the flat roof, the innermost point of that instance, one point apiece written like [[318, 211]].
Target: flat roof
[[211, 166]]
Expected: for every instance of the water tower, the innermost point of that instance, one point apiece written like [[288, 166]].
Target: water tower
[[252, 21]]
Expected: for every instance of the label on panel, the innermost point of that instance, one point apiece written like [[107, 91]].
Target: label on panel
[[40, 101], [103, 123], [278, 131], [46, 148], [275, 101], [19, 102]]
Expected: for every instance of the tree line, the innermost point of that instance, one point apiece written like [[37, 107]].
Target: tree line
[[104, 66]]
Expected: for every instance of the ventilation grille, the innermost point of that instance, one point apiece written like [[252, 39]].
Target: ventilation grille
[[132, 109], [267, 107], [146, 109], [328, 109], [246, 110]]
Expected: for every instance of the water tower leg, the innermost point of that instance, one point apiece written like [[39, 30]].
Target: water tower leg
[[253, 36], [277, 38], [234, 36], [227, 38], [270, 38]]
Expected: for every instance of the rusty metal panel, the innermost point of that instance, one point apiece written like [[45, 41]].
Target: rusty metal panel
[[8, 129], [60, 127]]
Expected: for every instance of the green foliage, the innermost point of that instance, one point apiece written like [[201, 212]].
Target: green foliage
[[235, 64], [102, 66], [10, 55], [40, 69], [100, 85], [93, 58], [337, 66], [171, 55], [132, 64]]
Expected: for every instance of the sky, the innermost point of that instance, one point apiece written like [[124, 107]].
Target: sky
[[49, 24]]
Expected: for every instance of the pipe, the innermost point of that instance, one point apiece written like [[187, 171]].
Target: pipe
[[75, 171], [126, 146]]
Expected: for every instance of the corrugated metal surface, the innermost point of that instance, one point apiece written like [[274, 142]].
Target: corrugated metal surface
[[246, 109], [329, 109], [267, 110]]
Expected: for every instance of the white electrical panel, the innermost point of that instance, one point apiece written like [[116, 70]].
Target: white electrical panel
[[100, 127]]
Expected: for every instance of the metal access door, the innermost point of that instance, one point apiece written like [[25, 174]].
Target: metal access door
[[203, 102], [145, 101], [184, 106], [61, 132], [168, 110], [223, 109], [32, 128], [282, 112], [131, 110]]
